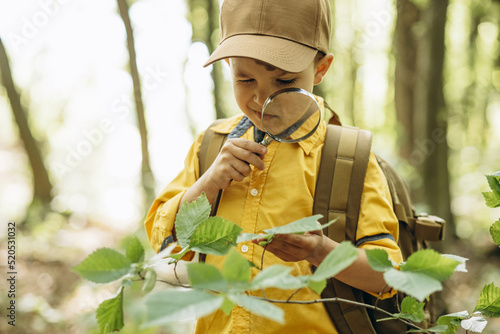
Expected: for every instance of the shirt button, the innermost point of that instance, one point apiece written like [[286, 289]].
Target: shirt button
[[244, 248], [254, 192]]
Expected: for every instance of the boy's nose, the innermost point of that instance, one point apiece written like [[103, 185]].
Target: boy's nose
[[261, 96]]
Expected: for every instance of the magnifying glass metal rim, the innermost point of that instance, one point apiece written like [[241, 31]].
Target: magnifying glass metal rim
[[267, 140]]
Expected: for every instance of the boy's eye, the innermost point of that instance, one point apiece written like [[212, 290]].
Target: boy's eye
[[246, 81], [286, 82]]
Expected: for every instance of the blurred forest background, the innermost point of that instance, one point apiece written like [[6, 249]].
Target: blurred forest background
[[100, 101]]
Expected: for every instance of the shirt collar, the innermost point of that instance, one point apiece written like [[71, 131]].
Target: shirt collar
[[307, 145]]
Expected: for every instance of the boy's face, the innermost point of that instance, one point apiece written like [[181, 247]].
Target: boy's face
[[255, 81]]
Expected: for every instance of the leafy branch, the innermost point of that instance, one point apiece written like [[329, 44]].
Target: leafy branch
[[211, 288]]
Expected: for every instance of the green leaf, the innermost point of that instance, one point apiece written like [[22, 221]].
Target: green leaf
[[110, 314], [430, 263], [475, 324], [162, 256], [495, 232], [127, 281], [244, 237], [494, 183], [149, 281], [489, 301], [259, 307], [417, 285], [206, 276], [236, 268], [179, 255], [215, 236], [412, 310], [135, 251], [270, 276], [191, 215], [435, 329], [492, 199], [301, 226], [458, 315], [169, 306], [277, 276], [318, 286], [378, 259], [450, 323], [336, 261], [227, 306], [462, 260], [103, 266], [263, 243]]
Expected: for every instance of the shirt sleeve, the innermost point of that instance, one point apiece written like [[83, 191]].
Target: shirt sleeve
[[160, 220], [378, 226]]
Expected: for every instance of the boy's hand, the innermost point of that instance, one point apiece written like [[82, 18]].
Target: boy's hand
[[296, 247], [232, 163], [234, 160]]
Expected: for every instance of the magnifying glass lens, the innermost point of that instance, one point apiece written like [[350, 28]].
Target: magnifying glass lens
[[291, 115]]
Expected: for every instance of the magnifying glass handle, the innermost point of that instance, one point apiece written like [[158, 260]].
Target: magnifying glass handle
[[267, 140]]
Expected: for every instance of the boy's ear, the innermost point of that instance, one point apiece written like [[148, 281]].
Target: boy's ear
[[322, 67]]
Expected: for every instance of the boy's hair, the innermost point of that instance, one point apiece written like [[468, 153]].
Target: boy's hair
[[285, 34]]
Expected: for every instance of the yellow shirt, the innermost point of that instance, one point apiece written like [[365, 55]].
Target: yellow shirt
[[278, 195]]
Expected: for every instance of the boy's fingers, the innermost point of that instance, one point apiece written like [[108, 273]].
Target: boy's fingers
[[254, 160], [294, 241], [249, 145], [285, 251], [240, 168], [247, 151]]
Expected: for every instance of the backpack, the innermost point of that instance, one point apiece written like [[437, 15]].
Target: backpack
[[339, 187]]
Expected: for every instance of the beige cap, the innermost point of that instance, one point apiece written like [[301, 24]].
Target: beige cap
[[284, 33]]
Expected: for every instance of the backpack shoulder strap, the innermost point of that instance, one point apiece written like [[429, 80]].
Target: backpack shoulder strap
[[339, 186], [341, 177], [211, 144]]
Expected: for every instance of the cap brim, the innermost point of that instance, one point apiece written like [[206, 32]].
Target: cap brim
[[279, 52]]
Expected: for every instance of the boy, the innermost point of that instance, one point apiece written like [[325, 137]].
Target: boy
[[270, 45]]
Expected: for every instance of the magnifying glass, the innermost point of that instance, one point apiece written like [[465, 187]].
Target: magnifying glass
[[290, 115]]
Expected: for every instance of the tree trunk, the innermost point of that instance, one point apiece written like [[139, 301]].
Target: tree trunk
[[351, 98], [217, 77], [421, 110], [146, 174], [42, 187], [420, 103], [430, 114], [189, 119], [203, 30], [406, 57]]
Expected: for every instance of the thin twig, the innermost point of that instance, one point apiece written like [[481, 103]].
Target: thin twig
[[341, 300], [379, 297], [174, 284], [142, 278], [177, 276], [262, 267], [264, 252], [397, 299], [293, 294], [302, 302]]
